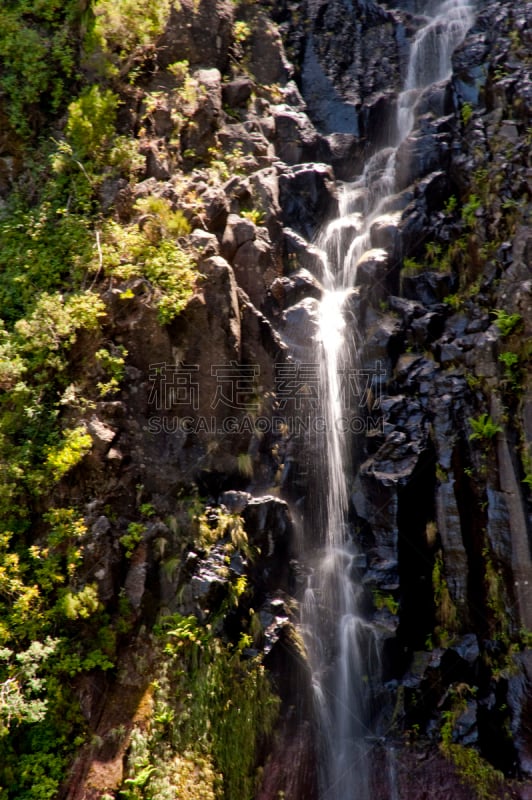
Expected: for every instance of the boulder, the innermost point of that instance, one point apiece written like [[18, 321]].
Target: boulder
[[307, 197], [296, 139], [237, 92]]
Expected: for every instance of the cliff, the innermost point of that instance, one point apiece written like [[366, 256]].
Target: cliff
[[166, 170]]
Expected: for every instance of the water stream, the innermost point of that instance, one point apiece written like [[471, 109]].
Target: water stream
[[341, 643]]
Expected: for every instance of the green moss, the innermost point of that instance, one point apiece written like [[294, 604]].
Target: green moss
[[474, 771], [446, 612]]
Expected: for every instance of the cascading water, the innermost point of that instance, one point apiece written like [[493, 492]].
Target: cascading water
[[341, 644]]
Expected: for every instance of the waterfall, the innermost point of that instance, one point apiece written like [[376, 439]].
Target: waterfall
[[341, 643]]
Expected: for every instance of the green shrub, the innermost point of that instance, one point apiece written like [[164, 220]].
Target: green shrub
[[127, 252], [121, 29], [41, 250], [411, 266], [91, 123], [241, 31], [164, 221], [113, 362], [38, 53], [21, 688]]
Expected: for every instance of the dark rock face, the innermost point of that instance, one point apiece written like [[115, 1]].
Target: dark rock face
[[438, 513], [350, 58], [307, 197], [200, 32]]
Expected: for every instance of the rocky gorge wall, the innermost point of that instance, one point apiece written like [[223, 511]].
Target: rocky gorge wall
[[189, 517]]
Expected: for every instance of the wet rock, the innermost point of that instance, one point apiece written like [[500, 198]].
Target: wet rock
[[238, 230], [470, 69], [498, 527], [419, 155], [289, 290], [102, 435], [456, 562], [467, 649], [255, 148], [346, 62], [291, 767], [405, 428], [205, 243], [261, 345], [235, 502], [333, 112], [383, 343], [307, 197], [434, 189], [407, 309], [428, 327], [274, 618], [298, 252], [345, 154], [482, 360], [520, 704], [135, 583], [385, 234], [465, 729], [269, 527], [158, 164], [374, 270], [299, 327], [215, 208], [208, 586]]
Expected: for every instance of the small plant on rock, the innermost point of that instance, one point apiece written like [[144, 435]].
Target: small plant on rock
[[505, 322], [484, 428]]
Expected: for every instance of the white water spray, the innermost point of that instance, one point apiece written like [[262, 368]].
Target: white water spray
[[341, 644]]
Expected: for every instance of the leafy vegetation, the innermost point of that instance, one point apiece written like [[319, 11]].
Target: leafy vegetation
[[506, 323], [121, 33], [512, 370], [212, 711], [64, 66], [38, 51], [483, 428], [387, 601]]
